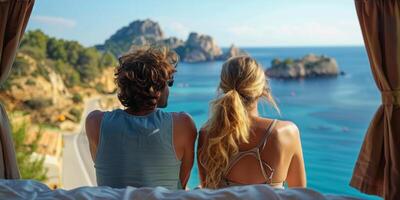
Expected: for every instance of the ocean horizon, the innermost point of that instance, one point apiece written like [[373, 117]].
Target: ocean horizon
[[332, 113]]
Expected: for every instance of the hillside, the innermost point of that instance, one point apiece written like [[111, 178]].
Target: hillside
[[51, 78]]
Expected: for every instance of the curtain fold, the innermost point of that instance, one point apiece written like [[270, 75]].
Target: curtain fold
[[377, 170], [14, 15]]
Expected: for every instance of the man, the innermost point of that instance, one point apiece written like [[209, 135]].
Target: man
[[142, 146]]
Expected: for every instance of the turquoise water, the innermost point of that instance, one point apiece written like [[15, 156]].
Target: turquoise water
[[331, 113]]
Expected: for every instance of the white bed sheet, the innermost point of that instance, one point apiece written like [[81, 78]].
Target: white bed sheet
[[28, 189]]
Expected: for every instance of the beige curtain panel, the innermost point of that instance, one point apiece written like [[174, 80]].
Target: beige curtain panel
[[377, 170], [14, 15]]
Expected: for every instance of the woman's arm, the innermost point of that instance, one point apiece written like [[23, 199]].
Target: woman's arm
[[202, 173], [296, 174]]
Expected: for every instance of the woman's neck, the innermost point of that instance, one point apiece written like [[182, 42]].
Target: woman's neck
[[253, 110]]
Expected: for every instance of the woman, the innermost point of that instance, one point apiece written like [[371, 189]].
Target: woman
[[237, 146]]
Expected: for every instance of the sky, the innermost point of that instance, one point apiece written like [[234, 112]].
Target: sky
[[251, 23]]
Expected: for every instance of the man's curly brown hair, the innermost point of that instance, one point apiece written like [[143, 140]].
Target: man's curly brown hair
[[142, 75]]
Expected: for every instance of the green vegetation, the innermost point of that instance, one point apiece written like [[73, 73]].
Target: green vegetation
[[77, 98], [116, 45], [38, 103], [288, 61], [108, 60], [275, 62], [34, 44], [30, 167], [76, 64], [20, 67], [5, 86], [30, 82], [77, 113], [100, 88]]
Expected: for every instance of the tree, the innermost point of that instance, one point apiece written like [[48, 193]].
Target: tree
[[34, 43], [108, 60], [29, 166], [56, 50], [72, 78], [88, 64], [73, 49]]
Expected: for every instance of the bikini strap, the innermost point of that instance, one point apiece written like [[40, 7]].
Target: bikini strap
[[263, 142]]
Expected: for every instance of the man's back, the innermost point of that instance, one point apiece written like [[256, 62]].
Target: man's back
[[142, 145], [137, 151]]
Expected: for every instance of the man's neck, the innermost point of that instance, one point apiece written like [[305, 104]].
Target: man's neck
[[139, 113]]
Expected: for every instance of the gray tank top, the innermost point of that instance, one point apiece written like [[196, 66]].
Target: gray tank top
[[137, 151]]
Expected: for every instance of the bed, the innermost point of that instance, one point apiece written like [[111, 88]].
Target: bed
[[29, 189]]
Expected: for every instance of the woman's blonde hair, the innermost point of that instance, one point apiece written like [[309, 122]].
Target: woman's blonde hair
[[243, 82]]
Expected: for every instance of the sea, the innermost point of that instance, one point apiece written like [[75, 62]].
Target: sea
[[332, 113]]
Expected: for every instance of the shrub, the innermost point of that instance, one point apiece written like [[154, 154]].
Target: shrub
[[41, 71], [30, 82], [77, 113], [77, 98], [29, 167], [99, 88], [288, 61], [275, 62], [20, 67], [6, 85], [71, 78], [38, 103]]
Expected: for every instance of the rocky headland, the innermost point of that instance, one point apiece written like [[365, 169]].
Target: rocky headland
[[196, 48]]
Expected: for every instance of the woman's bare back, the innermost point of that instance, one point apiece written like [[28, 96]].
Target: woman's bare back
[[282, 152]]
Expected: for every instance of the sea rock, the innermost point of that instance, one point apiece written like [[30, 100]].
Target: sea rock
[[233, 51], [310, 65], [172, 42], [139, 32], [199, 48]]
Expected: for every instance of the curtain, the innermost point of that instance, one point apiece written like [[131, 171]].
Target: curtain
[[377, 170], [14, 15]]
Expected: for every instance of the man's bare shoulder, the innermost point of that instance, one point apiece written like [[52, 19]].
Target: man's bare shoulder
[[93, 121], [94, 116], [184, 123]]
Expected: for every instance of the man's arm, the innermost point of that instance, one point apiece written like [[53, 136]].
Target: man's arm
[[92, 127], [185, 129]]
